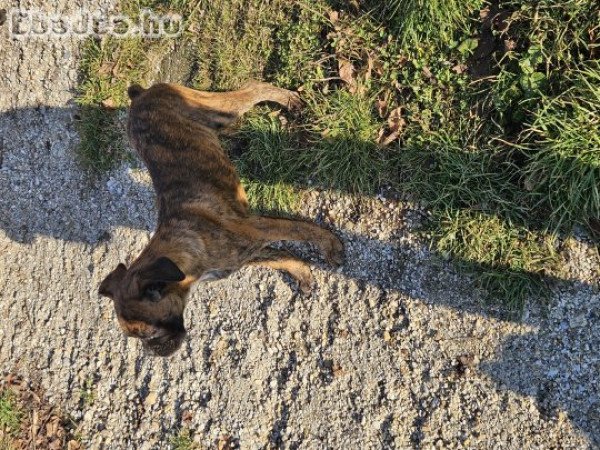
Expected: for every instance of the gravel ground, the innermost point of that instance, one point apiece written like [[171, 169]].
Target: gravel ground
[[392, 351]]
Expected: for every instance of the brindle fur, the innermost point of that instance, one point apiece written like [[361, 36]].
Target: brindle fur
[[205, 229]]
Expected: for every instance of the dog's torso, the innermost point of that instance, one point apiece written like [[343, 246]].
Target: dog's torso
[[205, 229]]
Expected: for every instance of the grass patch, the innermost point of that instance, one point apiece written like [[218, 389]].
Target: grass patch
[[102, 144], [183, 441], [334, 147], [342, 152], [421, 23], [480, 214], [510, 261], [10, 415], [299, 57], [269, 164], [108, 66], [563, 144], [236, 39]]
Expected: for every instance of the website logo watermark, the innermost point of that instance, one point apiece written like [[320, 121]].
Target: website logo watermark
[[39, 24]]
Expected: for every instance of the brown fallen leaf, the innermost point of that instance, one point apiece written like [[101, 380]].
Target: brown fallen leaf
[[334, 16], [369, 64], [73, 445], [187, 416], [52, 426], [338, 371], [347, 72], [382, 108], [509, 45], [106, 68], [109, 103], [459, 68], [484, 13], [377, 67], [395, 126]]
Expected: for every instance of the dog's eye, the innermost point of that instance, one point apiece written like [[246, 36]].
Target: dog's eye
[[154, 291]]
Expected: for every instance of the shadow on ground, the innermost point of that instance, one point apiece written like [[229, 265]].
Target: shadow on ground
[[44, 192]]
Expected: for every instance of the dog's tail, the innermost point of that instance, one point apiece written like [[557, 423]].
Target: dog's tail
[[134, 90]]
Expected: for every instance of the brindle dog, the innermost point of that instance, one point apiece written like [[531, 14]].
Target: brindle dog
[[205, 229]]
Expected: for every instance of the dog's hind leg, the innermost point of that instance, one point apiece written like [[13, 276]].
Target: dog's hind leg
[[283, 260], [234, 104], [278, 229]]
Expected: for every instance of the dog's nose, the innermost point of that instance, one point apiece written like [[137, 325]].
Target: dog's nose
[[163, 346]]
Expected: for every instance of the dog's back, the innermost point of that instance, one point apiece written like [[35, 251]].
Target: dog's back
[[175, 134]]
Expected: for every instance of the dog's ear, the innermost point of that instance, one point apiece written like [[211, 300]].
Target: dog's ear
[[109, 284], [155, 277], [163, 270]]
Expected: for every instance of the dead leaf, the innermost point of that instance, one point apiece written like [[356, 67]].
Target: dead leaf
[[377, 67], [52, 426], [484, 13], [509, 45], [395, 126], [337, 370], [395, 120], [73, 445], [334, 16], [382, 108], [347, 72], [369, 63], [427, 72], [187, 416], [109, 103], [106, 68], [459, 68]]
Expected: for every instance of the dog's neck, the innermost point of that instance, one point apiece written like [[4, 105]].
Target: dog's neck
[[184, 248]]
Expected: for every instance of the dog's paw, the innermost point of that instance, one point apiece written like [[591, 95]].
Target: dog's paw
[[305, 282], [334, 251], [294, 102]]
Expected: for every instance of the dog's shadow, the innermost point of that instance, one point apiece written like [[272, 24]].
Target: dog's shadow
[[45, 192]]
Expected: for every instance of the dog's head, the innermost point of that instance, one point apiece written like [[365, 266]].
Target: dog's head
[[149, 300]]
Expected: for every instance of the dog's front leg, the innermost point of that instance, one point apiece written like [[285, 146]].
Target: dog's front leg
[[273, 229], [283, 260]]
